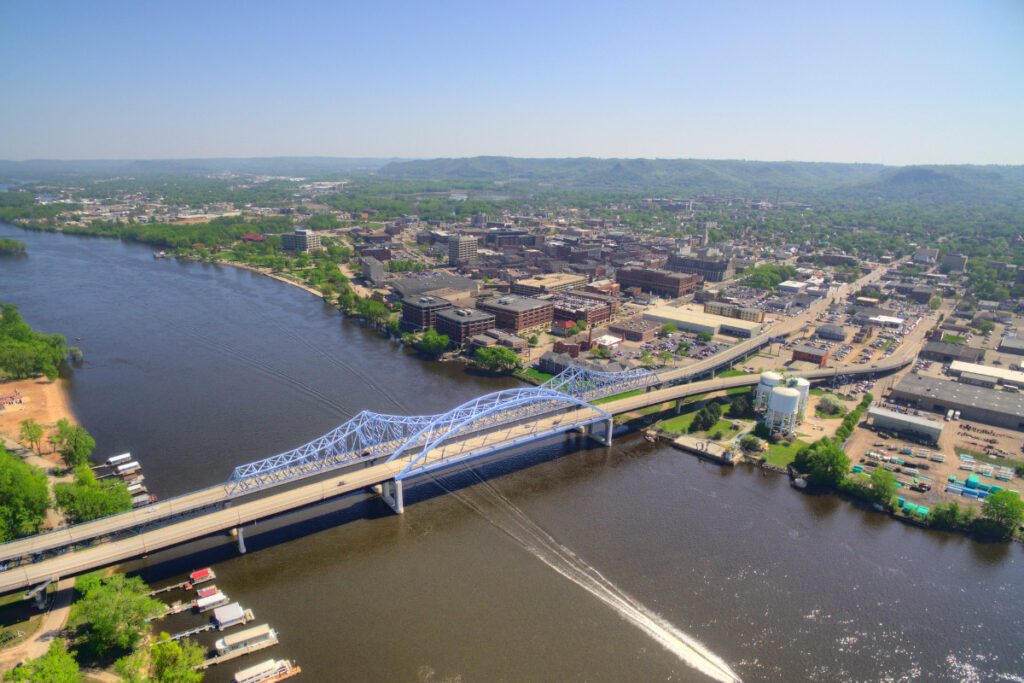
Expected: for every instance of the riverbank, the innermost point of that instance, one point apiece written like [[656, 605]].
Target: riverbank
[[42, 400]]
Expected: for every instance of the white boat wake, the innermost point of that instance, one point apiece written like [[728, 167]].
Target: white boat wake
[[504, 515]]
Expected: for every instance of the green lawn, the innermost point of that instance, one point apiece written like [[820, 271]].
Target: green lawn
[[616, 397], [733, 372], [736, 391], [826, 392], [781, 455], [953, 339], [680, 424], [535, 375]]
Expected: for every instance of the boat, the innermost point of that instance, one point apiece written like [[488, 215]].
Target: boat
[[800, 483], [202, 576], [119, 459], [159, 254], [140, 499], [650, 436], [267, 672], [210, 602], [129, 468], [231, 615], [258, 635], [206, 592]]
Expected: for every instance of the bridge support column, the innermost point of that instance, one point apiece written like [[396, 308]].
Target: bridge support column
[[241, 540], [391, 493], [609, 428]]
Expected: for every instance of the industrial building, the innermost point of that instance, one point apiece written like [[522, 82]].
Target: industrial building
[[461, 249], [634, 329], [990, 406], [300, 241], [1011, 344], [698, 321], [909, 425], [831, 332], [661, 282], [550, 283], [420, 312], [711, 268], [518, 313], [947, 352], [462, 323], [1010, 378]]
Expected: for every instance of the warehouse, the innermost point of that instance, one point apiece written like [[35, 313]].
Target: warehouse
[[909, 425], [946, 352], [979, 404], [1011, 344], [832, 332], [1011, 378], [697, 322]]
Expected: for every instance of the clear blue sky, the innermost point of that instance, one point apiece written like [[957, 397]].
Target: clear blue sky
[[891, 81]]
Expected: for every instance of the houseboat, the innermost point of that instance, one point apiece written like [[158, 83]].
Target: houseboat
[[267, 672], [231, 615], [115, 460], [210, 602], [202, 576], [254, 638]]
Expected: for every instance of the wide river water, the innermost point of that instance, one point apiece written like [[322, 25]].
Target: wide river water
[[565, 562]]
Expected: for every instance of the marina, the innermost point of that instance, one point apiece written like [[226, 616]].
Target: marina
[[267, 672]]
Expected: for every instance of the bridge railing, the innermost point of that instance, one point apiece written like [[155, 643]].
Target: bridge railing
[[589, 384]]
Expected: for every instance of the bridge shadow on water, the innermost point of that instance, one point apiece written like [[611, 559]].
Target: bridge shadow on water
[[363, 505]]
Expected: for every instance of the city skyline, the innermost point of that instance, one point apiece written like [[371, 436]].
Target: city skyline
[[921, 83]]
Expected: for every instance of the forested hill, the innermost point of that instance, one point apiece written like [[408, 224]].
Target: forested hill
[[747, 178]]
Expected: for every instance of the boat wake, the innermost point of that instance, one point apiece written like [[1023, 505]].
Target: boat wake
[[504, 515]]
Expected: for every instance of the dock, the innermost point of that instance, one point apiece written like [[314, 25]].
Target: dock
[[177, 607], [184, 585], [234, 654], [705, 448], [190, 632]]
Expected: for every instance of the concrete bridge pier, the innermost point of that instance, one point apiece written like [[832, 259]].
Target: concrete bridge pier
[[240, 532], [606, 438], [391, 493]]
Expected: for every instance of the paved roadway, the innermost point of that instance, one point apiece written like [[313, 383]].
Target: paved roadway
[[222, 519]]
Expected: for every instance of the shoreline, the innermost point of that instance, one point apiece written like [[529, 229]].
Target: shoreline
[[44, 401]]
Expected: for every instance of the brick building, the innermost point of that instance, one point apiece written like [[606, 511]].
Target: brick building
[[661, 282], [518, 313], [420, 312], [462, 323], [811, 354]]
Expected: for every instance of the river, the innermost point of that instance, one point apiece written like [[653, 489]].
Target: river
[[566, 562]]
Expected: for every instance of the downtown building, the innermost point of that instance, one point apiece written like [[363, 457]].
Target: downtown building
[[661, 282], [518, 313]]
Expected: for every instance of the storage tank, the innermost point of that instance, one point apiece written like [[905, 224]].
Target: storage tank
[[783, 409], [804, 387], [769, 380]]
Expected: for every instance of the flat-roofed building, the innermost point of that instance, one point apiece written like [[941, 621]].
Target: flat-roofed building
[[634, 330], [656, 281], [911, 425], [947, 352], [979, 404], [300, 241], [518, 313], [1011, 378], [462, 323], [420, 312], [498, 338], [709, 269], [592, 309], [461, 249], [728, 310], [831, 332], [1011, 344], [698, 321], [548, 283], [811, 354]]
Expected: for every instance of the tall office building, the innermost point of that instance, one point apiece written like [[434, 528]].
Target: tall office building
[[461, 248]]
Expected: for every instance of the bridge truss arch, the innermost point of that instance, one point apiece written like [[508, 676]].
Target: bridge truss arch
[[590, 384], [427, 451]]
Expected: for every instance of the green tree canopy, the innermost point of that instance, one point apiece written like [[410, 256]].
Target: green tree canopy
[[175, 661], [1005, 509], [26, 353], [76, 444], [88, 498], [824, 461], [56, 666], [24, 497], [112, 611], [31, 432], [432, 344], [496, 358]]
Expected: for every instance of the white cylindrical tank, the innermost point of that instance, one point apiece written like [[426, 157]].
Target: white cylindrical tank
[[769, 380], [804, 387], [783, 410]]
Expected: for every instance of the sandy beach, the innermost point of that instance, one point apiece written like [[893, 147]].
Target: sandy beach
[[41, 400]]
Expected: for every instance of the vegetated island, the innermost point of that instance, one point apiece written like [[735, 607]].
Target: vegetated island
[[9, 247]]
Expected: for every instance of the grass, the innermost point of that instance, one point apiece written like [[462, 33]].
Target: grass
[[736, 391], [780, 454], [953, 339], [680, 424], [826, 392], [616, 397], [990, 459], [733, 372], [532, 374]]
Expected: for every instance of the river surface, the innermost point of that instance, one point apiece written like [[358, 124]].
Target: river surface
[[566, 562]]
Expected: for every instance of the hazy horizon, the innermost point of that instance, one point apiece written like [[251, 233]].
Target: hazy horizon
[[913, 83]]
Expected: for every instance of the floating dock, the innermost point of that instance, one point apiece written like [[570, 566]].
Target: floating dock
[[235, 654]]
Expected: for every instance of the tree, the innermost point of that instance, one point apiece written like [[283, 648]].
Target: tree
[[496, 358], [432, 344], [704, 337], [533, 340], [683, 348], [665, 357], [88, 498], [76, 444], [646, 359], [707, 417], [31, 433], [24, 497], [56, 666], [950, 516], [740, 406], [1004, 509], [669, 328], [883, 483], [824, 461], [112, 611], [750, 443], [25, 352], [175, 661]]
